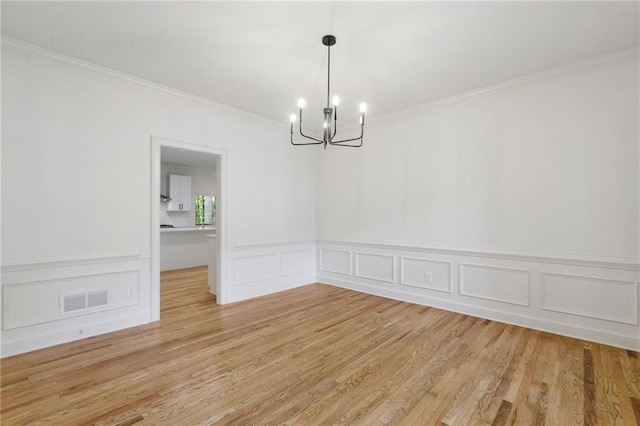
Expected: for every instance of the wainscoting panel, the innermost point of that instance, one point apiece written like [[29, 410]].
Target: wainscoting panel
[[593, 300], [336, 261], [591, 297], [47, 302], [259, 269], [39, 302], [425, 273], [493, 283], [296, 262], [379, 267]]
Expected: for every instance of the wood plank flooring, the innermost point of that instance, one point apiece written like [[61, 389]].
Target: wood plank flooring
[[319, 355]]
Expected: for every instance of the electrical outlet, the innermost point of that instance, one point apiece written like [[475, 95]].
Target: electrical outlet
[[131, 291], [427, 277]]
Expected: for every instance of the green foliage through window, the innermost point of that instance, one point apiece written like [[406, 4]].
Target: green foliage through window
[[205, 210]]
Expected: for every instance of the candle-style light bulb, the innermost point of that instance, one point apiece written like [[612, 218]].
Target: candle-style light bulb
[[301, 103], [324, 124], [336, 100], [292, 118], [363, 107]]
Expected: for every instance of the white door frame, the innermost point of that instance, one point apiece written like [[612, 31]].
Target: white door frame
[[221, 218]]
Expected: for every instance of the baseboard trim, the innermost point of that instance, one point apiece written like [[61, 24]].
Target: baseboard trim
[[271, 287], [70, 334]]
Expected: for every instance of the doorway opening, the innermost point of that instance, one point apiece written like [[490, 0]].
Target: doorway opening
[[188, 203]]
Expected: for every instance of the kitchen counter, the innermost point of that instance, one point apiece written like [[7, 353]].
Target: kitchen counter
[[189, 229], [185, 247]]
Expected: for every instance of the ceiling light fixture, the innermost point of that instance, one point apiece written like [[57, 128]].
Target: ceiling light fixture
[[330, 114]]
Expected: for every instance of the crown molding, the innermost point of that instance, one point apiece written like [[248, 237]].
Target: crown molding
[[624, 55], [9, 42]]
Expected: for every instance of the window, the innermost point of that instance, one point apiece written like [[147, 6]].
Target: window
[[205, 210]]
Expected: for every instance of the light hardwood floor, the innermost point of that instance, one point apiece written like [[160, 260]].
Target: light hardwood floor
[[319, 355]]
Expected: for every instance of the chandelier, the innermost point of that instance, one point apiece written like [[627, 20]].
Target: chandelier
[[330, 114]]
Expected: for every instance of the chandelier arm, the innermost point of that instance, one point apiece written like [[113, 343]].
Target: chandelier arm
[[304, 143], [347, 140], [348, 145], [342, 143], [350, 140], [318, 141]]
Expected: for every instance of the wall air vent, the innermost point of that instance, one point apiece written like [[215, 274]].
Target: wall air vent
[[96, 298], [74, 302], [81, 301]]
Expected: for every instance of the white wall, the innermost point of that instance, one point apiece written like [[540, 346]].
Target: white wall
[[76, 179], [77, 141], [550, 166], [518, 204]]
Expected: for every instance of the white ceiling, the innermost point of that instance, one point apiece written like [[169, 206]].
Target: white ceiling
[[261, 57]]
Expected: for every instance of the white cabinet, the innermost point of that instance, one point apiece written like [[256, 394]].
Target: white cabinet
[[180, 193]]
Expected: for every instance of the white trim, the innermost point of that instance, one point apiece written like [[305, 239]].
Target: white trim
[[463, 292], [154, 281], [333, 271], [70, 334], [623, 55], [622, 320], [427, 287], [369, 277], [221, 233], [8, 324], [506, 254], [274, 257], [136, 80], [266, 275], [619, 56], [260, 245], [25, 264], [296, 271]]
